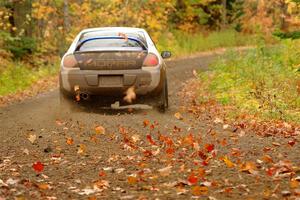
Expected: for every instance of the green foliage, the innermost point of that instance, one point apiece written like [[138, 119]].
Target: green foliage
[[262, 82], [21, 46], [290, 35], [181, 43], [19, 76]]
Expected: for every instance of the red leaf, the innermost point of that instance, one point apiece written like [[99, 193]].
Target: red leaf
[[170, 151], [202, 155], [209, 147], [149, 138], [205, 163], [291, 142], [148, 153], [192, 179], [271, 171], [38, 166], [102, 173]]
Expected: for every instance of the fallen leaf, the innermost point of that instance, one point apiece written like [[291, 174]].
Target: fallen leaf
[[101, 184], [292, 142], [192, 179], [44, 186], [32, 138], [81, 149], [135, 138], [199, 190], [102, 173], [26, 151], [165, 171], [178, 116], [38, 166], [146, 122], [267, 159], [149, 138], [132, 180], [228, 162], [70, 141], [218, 121], [209, 147], [170, 151], [130, 95], [100, 130], [249, 167], [294, 184]]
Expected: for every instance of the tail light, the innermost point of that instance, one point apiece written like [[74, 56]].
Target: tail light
[[70, 61], [150, 60]]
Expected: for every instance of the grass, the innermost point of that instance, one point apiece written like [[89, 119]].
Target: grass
[[19, 76], [264, 82], [180, 43]]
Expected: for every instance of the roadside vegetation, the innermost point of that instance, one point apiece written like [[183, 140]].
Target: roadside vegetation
[[181, 43], [262, 82]]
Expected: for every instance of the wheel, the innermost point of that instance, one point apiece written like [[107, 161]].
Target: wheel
[[164, 99]]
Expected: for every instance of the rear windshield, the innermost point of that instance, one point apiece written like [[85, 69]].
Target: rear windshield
[[104, 43], [107, 39]]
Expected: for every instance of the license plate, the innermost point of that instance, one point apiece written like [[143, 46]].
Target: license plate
[[111, 80]]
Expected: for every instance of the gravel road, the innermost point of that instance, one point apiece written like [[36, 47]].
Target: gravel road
[[105, 154]]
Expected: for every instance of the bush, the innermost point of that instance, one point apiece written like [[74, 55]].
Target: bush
[[18, 46], [263, 82], [21, 46]]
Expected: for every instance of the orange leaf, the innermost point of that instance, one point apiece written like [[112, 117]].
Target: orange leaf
[[201, 172], [70, 141], [38, 166], [44, 186], [100, 130], [228, 162], [132, 180], [267, 159], [188, 140], [294, 184], [249, 167], [178, 116], [170, 151], [199, 190], [81, 149], [146, 122]]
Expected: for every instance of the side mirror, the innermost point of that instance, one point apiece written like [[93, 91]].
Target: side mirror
[[166, 54]]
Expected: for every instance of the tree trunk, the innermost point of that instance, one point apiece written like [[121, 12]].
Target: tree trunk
[[224, 13], [20, 10], [66, 16]]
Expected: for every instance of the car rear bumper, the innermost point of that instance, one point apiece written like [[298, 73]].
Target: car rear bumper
[[112, 82]]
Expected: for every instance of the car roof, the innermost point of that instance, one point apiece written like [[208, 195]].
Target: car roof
[[119, 29]]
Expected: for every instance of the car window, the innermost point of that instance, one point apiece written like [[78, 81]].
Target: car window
[[109, 43]]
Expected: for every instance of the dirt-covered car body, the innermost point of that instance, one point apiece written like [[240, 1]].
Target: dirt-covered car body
[[108, 61]]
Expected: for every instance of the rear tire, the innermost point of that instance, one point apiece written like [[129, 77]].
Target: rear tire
[[164, 98]]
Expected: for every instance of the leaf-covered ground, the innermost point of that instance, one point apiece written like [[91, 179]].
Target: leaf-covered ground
[[188, 152]]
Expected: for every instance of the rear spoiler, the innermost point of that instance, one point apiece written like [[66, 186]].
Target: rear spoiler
[[114, 37]]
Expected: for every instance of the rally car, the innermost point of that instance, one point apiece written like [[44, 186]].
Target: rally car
[[110, 61]]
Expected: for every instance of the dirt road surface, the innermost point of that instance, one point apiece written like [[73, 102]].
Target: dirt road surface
[[105, 154]]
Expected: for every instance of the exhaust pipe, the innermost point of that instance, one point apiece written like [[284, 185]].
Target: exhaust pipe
[[84, 96]]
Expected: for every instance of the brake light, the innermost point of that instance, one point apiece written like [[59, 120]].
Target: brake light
[[150, 60], [70, 61]]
